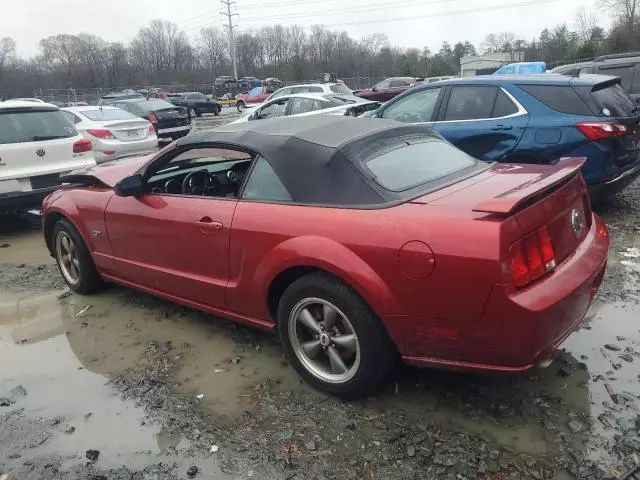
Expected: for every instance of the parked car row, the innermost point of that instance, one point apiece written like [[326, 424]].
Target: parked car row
[[535, 119]]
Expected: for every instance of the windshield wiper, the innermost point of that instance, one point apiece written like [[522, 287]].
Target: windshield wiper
[[40, 138]]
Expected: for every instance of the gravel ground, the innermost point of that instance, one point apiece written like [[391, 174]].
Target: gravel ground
[[120, 385]]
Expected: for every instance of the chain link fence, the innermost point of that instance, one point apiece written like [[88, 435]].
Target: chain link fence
[[92, 95]]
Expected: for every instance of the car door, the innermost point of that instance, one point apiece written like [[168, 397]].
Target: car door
[[484, 121], [175, 243]]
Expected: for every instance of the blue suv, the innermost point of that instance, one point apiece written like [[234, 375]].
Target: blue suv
[[533, 119]]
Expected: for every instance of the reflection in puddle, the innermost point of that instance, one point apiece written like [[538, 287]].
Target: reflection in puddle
[[61, 351]]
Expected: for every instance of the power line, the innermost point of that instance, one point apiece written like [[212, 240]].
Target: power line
[[362, 8], [439, 14]]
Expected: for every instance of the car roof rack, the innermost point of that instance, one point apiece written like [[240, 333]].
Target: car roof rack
[[615, 56]]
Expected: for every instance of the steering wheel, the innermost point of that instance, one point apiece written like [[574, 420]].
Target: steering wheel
[[198, 183], [407, 117]]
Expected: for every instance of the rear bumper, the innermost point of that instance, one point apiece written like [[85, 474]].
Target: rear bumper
[[520, 328], [125, 149], [24, 200], [617, 184]]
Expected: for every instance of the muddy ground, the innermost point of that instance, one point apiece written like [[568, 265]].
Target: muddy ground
[[121, 385]]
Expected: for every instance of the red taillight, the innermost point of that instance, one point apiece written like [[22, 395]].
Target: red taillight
[[600, 130], [152, 117], [100, 133], [152, 130], [82, 146], [532, 257]]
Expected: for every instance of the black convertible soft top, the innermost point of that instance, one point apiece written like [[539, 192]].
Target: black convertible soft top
[[322, 159]]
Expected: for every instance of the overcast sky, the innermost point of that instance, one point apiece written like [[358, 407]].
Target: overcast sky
[[407, 23]]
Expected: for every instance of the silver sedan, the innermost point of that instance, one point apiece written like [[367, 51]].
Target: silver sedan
[[113, 132]]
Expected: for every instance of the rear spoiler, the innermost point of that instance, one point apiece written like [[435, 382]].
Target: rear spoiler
[[513, 200]]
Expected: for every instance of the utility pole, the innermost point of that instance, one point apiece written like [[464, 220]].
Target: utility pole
[[226, 4]]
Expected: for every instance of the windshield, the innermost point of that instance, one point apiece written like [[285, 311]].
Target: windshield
[[337, 100], [340, 88], [33, 126], [411, 165], [107, 114]]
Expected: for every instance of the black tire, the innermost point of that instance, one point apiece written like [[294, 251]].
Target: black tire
[[217, 110], [89, 280], [240, 106], [198, 113], [377, 353]]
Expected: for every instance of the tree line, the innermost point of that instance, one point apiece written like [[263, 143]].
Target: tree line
[[162, 54]]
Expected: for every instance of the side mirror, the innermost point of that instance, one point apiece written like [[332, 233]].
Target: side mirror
[[130, 186], [373, 89]]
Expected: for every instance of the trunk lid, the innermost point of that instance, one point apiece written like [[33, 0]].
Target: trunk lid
[[37, 141], [129, 131], [171, 114], [609, 101], [551, 196]]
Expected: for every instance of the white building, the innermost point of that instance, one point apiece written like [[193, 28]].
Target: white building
[[487, 64]]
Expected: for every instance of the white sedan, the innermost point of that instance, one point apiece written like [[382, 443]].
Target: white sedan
[[113, 132], [304, 104]]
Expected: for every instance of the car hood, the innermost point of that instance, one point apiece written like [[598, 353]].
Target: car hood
[[108, 173]]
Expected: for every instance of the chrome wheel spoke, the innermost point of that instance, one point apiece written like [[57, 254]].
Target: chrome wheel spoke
[[76, 262], [312, 348], [306, 318], [329, 316], [337, 365], [346, 342], [66, 244]]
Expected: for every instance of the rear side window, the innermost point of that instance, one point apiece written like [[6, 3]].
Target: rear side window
[[561, 98], [504, 106], [414, 164], [264, 184], [625, 72], [613, 101], [32, 126], [470, 103], [108, 114]]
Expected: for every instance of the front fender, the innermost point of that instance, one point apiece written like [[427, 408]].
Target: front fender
[[333, 257]]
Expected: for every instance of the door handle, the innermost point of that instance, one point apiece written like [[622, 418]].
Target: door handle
[[206, 225], [502, 127]]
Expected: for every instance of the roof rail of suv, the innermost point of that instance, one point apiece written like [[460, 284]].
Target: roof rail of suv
[[615, 56]]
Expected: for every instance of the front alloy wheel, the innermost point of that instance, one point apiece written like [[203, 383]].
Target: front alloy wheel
[[324, 340], [67, 256]]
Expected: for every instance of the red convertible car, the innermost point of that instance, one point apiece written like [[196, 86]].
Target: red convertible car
[[358, 241]]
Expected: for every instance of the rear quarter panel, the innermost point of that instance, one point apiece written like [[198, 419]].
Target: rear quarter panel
[[361, 247], [551, 135]]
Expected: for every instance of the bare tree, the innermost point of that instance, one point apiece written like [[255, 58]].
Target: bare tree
[[586, 23], [626, 10], [7, 50], [161, 48], [213, 46]]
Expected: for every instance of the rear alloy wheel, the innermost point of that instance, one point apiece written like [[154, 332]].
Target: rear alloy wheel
[[332, 338], [217, 110], [193, 113], [241, 106], [73, 259]]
